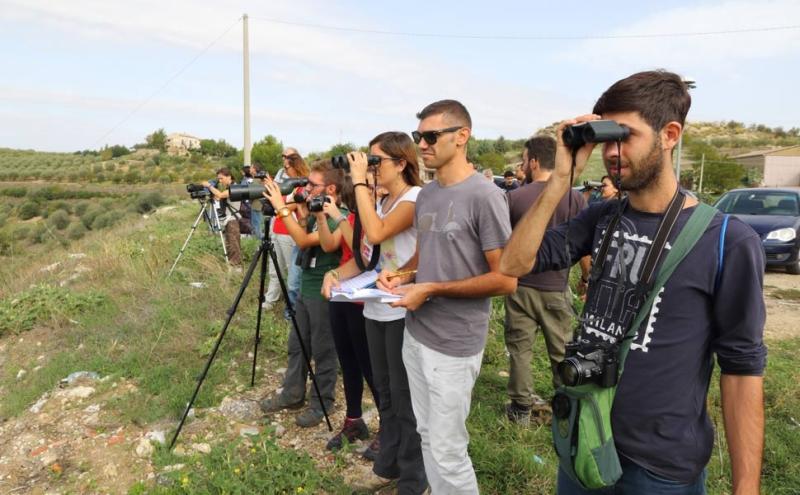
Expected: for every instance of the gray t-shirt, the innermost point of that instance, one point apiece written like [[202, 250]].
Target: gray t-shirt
[[455, 225]]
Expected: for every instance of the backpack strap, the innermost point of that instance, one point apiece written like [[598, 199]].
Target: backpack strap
[[688, 237], [721, 253]]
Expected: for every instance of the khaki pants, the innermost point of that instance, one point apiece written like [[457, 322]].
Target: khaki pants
[[232, 242], [527, 310]]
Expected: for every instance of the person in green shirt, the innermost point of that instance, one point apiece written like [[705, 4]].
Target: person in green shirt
[[311, 308]]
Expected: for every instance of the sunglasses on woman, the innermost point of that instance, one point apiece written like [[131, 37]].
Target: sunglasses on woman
[[430, 137]]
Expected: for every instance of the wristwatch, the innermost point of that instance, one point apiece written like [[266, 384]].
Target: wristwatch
[[284, 212]]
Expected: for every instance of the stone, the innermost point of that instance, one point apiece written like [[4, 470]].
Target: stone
[[49, 457], [144, 448], [280, 431], [116, 439], [156, 436], [249, 431], [37, 408], [202, 448], [92, 409], [80, 392], [21, 374], [173, 467], [239, 409], [110, 471], [503, 374], [78, 375]]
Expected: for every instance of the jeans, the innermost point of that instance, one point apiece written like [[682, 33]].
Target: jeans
[[294, 276], [257, 221], [400, 454], [283, 245], [350, 338], [635, 480], [441, 390], [314, 326]]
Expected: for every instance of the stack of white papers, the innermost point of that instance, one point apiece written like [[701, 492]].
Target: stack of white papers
[[362, 289]]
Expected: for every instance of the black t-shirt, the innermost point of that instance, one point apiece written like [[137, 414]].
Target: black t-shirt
[[659, 416]]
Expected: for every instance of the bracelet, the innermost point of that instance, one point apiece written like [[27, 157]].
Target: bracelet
[[360, 184], [341, 219], [334, 273]]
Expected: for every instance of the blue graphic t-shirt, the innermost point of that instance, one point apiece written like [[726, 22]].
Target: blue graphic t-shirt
[[659, 416]]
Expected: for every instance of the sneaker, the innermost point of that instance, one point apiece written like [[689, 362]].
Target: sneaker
[[308, 418], [267, 306], [363, 480], [374, 448], [275, 404], [352, 430], [518, 414]]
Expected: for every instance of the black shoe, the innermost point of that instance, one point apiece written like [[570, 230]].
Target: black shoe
[[352, 430], [275, 404], [518, 414]]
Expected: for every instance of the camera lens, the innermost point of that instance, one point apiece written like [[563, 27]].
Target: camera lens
[[570, 372]]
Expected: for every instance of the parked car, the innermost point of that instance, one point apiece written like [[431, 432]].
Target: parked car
[[774, 213]]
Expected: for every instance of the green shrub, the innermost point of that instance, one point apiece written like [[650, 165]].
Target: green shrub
[[81, 207], [28, 210], [39, 234], [105, 220], [87, 219], [59, 220], [148, 202], [76, 230], [14, 192]]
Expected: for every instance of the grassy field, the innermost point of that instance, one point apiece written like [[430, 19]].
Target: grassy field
[[113, 311]]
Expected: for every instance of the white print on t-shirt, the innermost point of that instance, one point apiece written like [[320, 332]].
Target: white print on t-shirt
[[604, 319], [427, 221]]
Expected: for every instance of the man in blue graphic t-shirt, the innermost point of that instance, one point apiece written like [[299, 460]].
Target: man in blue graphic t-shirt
[[659, 419]]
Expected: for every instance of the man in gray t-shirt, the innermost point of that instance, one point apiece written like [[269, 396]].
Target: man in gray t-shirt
[[462, 226]]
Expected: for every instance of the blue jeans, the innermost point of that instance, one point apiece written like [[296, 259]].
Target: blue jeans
[[294, 276], [257, 221], [635, 480]]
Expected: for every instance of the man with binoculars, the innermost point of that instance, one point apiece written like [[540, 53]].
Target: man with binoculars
[[712, 304]]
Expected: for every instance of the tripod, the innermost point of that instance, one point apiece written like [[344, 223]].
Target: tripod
[[266, 248], [213, 225]]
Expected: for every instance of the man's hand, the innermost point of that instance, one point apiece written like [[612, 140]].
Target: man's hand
[[564, 153], [330, 208], [388, 280], [414, 296], [358, 166]]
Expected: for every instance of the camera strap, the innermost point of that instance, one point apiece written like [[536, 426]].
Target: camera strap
[[376, 249]]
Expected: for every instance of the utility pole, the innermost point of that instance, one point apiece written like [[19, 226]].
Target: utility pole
[[690, 84], [246, 64], [702, 166]]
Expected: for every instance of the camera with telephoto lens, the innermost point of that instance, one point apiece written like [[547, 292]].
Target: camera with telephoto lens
[[595, 131], [592, 185], [316, 203], [255, 190], [261, 175], [340, 161], [586, 361], [300, 197], [199, 191]]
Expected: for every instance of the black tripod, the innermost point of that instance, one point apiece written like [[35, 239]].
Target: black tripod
[[212, 219], [266, 248]]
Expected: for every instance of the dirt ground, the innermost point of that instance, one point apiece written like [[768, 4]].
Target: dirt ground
[[783, 315], [71, 442]]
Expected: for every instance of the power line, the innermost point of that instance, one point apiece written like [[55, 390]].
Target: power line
[[166, 83], [525, 38]]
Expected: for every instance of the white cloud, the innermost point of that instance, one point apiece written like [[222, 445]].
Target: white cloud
[[697, 53]]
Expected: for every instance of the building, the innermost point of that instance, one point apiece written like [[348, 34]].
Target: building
[[781, 167], [180, 144]]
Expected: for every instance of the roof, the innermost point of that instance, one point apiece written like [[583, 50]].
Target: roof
[[768, 152], [181, 134]]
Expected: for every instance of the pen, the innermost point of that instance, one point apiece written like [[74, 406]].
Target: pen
[[400, 274]]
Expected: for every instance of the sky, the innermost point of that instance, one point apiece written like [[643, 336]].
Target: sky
[[86, 73]]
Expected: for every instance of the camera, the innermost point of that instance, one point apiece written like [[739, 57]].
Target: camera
[[316, 203], [588, 361], [596, 131], [261, 175], [340, 161], [254, 191], [199, 191], [591, 185], [300, 197]]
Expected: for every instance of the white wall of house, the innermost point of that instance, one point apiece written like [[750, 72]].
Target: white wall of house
[[781, 171]]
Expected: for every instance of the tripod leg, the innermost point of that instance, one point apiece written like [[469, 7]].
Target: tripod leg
[[264, 261], [191, 231], [228, 320], [274, 257], [221, 237]]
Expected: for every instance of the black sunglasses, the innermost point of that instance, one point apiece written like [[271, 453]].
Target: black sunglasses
[[430, 137]]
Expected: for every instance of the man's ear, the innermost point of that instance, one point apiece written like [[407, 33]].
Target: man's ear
[[670, 135], [462, 136]]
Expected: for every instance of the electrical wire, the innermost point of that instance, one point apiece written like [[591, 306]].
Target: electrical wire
[[524, 38], [166, 83]]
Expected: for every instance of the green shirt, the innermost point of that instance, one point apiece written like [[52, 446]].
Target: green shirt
[[321, 262]]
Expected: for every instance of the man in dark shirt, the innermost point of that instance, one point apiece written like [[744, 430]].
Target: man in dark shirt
[[509, 181], [541, 300], [711, 305]]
